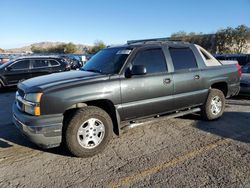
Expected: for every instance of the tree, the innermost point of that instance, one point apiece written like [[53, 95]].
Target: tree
[[229, 40], [224, 40], [58, 49], [179, 34], [36, 49], [70, 48], [99, 45], [241, 36], [197, 38]]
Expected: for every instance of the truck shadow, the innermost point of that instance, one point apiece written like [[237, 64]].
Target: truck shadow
[[233, 125], [10, 136]]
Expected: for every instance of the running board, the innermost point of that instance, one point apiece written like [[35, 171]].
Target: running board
[[158, 118]]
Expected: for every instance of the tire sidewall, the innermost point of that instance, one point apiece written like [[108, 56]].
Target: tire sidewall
[[213, 93], [74, 125]]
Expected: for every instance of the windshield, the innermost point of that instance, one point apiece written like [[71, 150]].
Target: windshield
[[107, 61]]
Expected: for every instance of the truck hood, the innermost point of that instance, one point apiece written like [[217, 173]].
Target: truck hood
[[42, 83]]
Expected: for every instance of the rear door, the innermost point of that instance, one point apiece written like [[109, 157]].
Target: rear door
[[40, 67], [17, 71], [188, 88], [146, 95]]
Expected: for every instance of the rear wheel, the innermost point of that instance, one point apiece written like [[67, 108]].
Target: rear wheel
[[214, 106], [88, 132]]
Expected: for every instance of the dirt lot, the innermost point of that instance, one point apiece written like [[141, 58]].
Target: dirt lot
[[174, 153]]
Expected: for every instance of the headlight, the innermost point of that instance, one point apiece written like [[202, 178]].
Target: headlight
[[33, 97], [32, 103], [33, 110]]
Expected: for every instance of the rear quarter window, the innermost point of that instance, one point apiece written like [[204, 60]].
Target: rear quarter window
[[54, 63], [208, 59]]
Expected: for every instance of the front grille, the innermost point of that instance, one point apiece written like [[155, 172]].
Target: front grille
[[19, 96], [20, 105], [21, 93]]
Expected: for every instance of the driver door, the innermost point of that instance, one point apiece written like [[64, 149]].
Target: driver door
[[149, 94], [18, 71]]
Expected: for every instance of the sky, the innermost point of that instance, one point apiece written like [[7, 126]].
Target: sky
[[23, 22]]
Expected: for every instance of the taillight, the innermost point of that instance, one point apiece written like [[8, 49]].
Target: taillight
[[239, 70]]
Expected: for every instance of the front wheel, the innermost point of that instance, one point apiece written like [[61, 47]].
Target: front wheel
[[88, 132], [214, 106]]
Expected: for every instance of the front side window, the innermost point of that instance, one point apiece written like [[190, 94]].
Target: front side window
[[107, 61], [40, 63], [183, 58], [152, 59], [21, 65]]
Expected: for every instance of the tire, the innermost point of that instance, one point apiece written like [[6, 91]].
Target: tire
[[88, 132], [215, 98]]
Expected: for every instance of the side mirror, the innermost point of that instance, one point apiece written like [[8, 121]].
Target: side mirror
[[138, 70], [135, 70], [8, 68]]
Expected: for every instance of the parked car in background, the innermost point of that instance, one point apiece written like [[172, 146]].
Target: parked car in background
[[28, 67], [242, 59], [245, 80], [75, 61]]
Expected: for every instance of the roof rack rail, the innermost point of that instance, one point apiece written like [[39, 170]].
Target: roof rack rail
[[153, 40]]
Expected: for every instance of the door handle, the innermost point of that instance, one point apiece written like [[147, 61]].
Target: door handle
[[167, 81], [196, 77]]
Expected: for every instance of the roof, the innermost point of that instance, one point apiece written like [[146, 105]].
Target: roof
[[39, 57], [157, 40], [143, 42]]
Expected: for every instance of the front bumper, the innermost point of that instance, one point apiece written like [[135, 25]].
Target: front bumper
[[45, 131]]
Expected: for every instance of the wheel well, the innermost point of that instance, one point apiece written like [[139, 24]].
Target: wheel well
[[221, 86], [1, 82], [106, 105]]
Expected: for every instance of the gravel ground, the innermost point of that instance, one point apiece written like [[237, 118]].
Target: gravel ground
[[180, 152]]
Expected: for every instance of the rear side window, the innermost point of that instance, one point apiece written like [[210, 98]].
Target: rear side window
[[152, 59], [21, 65], [40, 63], [183, 58], [54, 63]]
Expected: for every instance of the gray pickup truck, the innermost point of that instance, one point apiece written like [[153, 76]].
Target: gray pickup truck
[[118, 87]]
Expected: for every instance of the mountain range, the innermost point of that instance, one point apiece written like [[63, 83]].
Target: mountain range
[[27, 49]]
